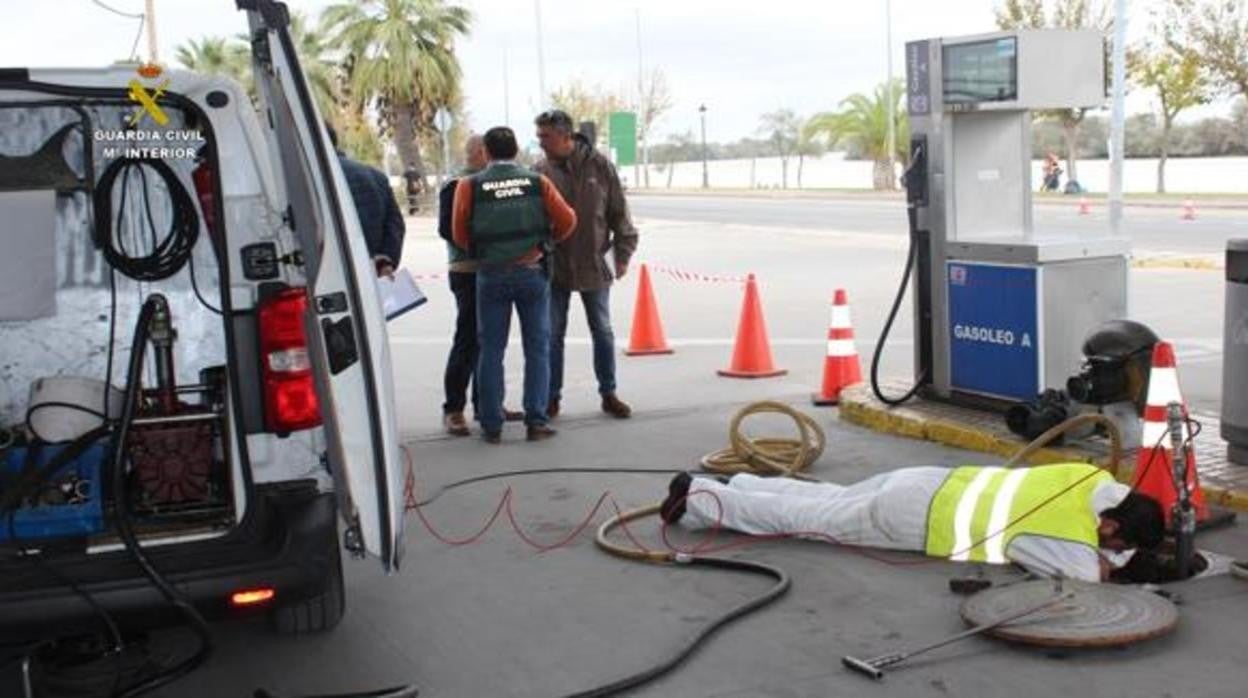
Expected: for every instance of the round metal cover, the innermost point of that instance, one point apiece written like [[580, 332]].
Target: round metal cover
[[1094, 615]]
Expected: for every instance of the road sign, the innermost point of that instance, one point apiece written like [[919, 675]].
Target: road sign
[[622, 137]]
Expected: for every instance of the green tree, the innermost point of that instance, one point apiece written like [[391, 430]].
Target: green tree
[[1062, 14], [862, 123], [782, 129], [1218, 31], [215, 55], [1173, 72], [403, 61], [588, 103]]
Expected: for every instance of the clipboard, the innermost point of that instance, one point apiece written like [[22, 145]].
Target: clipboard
[[399, 294]]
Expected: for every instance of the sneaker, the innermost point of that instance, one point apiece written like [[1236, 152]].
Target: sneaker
[[673, 507], [615, 407], [540, 432], [552, 408], [512, 415], [492, 438], [455, 424]]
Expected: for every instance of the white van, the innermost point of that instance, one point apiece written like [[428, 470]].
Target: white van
[[261, 409]]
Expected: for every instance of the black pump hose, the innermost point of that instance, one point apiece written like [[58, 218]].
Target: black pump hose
[[913, 252], [126, 529], [643, 677]]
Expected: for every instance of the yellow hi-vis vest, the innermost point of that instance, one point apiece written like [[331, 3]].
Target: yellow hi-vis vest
[[976, 503]]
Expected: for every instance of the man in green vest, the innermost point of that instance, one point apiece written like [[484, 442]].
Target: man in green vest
[[506, 216], [461, 362], [1071, 519]]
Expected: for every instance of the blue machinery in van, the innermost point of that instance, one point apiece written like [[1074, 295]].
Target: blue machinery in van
[[1001, 308]]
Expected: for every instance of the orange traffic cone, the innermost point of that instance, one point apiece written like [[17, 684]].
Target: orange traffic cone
[[1189, 210], [1155, 465], [1084, 207], [647, 334], [751, 357], [840, 367]]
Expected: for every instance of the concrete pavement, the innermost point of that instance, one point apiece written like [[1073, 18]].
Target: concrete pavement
[[496, 618]]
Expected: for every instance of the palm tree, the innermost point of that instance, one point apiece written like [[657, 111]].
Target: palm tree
[[862, 123], [322, 72], [214, 55], [402, 60]]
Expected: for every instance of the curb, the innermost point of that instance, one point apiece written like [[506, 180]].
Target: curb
[[862, 410]]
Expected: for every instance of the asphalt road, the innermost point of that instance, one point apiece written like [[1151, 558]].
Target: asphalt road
[[1150, 229]]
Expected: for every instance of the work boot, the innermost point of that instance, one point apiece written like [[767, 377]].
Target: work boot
[[455, 424], [512, 415], [673, 507], [492, 437], [615, 407], [552, 408], [540, 432]]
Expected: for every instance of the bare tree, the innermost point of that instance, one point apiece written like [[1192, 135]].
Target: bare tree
[[655, 100], [782, 129]]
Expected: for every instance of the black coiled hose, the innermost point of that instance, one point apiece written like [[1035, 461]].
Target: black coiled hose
[[167, 256]]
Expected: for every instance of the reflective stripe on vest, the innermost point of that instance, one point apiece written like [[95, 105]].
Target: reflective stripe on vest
[[508, 214], [978, 511]]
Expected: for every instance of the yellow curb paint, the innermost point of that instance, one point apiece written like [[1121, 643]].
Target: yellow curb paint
[[907, 423]]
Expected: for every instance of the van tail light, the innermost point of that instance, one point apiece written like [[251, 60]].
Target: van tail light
[[206, 192], [251, 597], [289, 393]]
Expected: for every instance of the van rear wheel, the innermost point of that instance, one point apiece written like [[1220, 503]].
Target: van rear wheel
[[316, 614]]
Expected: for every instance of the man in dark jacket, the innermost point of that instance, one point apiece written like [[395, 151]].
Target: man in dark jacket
[[461, 364], [589, 182], [375, 205]]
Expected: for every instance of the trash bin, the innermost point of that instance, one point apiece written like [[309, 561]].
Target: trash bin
[[1235, 353]]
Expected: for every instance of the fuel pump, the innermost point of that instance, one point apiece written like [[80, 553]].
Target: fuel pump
[[1001, 305]]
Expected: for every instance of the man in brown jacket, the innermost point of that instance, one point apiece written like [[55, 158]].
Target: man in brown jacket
[[588, 181]]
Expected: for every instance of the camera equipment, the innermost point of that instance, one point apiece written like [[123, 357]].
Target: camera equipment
[[1116, 365], [1031, 419]]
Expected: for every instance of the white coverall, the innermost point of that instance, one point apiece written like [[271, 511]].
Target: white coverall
[[887, 511]]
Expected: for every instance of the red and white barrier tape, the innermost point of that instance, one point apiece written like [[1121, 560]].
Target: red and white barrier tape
[[692, 276]]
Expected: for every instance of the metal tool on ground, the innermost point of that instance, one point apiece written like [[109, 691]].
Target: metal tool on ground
[[875, 666], [1099, 615]]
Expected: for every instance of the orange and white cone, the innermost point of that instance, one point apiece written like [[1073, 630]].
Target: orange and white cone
[[840, 367], [1189, 210], [1084, 207], [1155, 465]]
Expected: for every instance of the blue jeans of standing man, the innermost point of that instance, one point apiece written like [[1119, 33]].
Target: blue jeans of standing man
[[528, 289], [598, 312]]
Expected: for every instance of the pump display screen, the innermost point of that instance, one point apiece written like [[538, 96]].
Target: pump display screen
[[983, 71]]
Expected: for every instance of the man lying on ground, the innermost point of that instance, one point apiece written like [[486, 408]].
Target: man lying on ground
[[1072, 520]]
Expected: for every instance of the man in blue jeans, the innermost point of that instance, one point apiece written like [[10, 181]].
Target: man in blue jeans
[[505, 216], [589, 182]]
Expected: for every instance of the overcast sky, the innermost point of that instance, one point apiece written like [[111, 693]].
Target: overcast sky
[[730, 55]]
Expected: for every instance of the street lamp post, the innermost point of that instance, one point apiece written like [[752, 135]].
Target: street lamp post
[[705, 180]]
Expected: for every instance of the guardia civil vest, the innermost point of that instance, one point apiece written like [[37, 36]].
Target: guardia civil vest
[[974, 503], [508, 215]]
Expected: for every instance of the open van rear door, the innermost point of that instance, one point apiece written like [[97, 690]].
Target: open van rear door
[[347, 341]]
